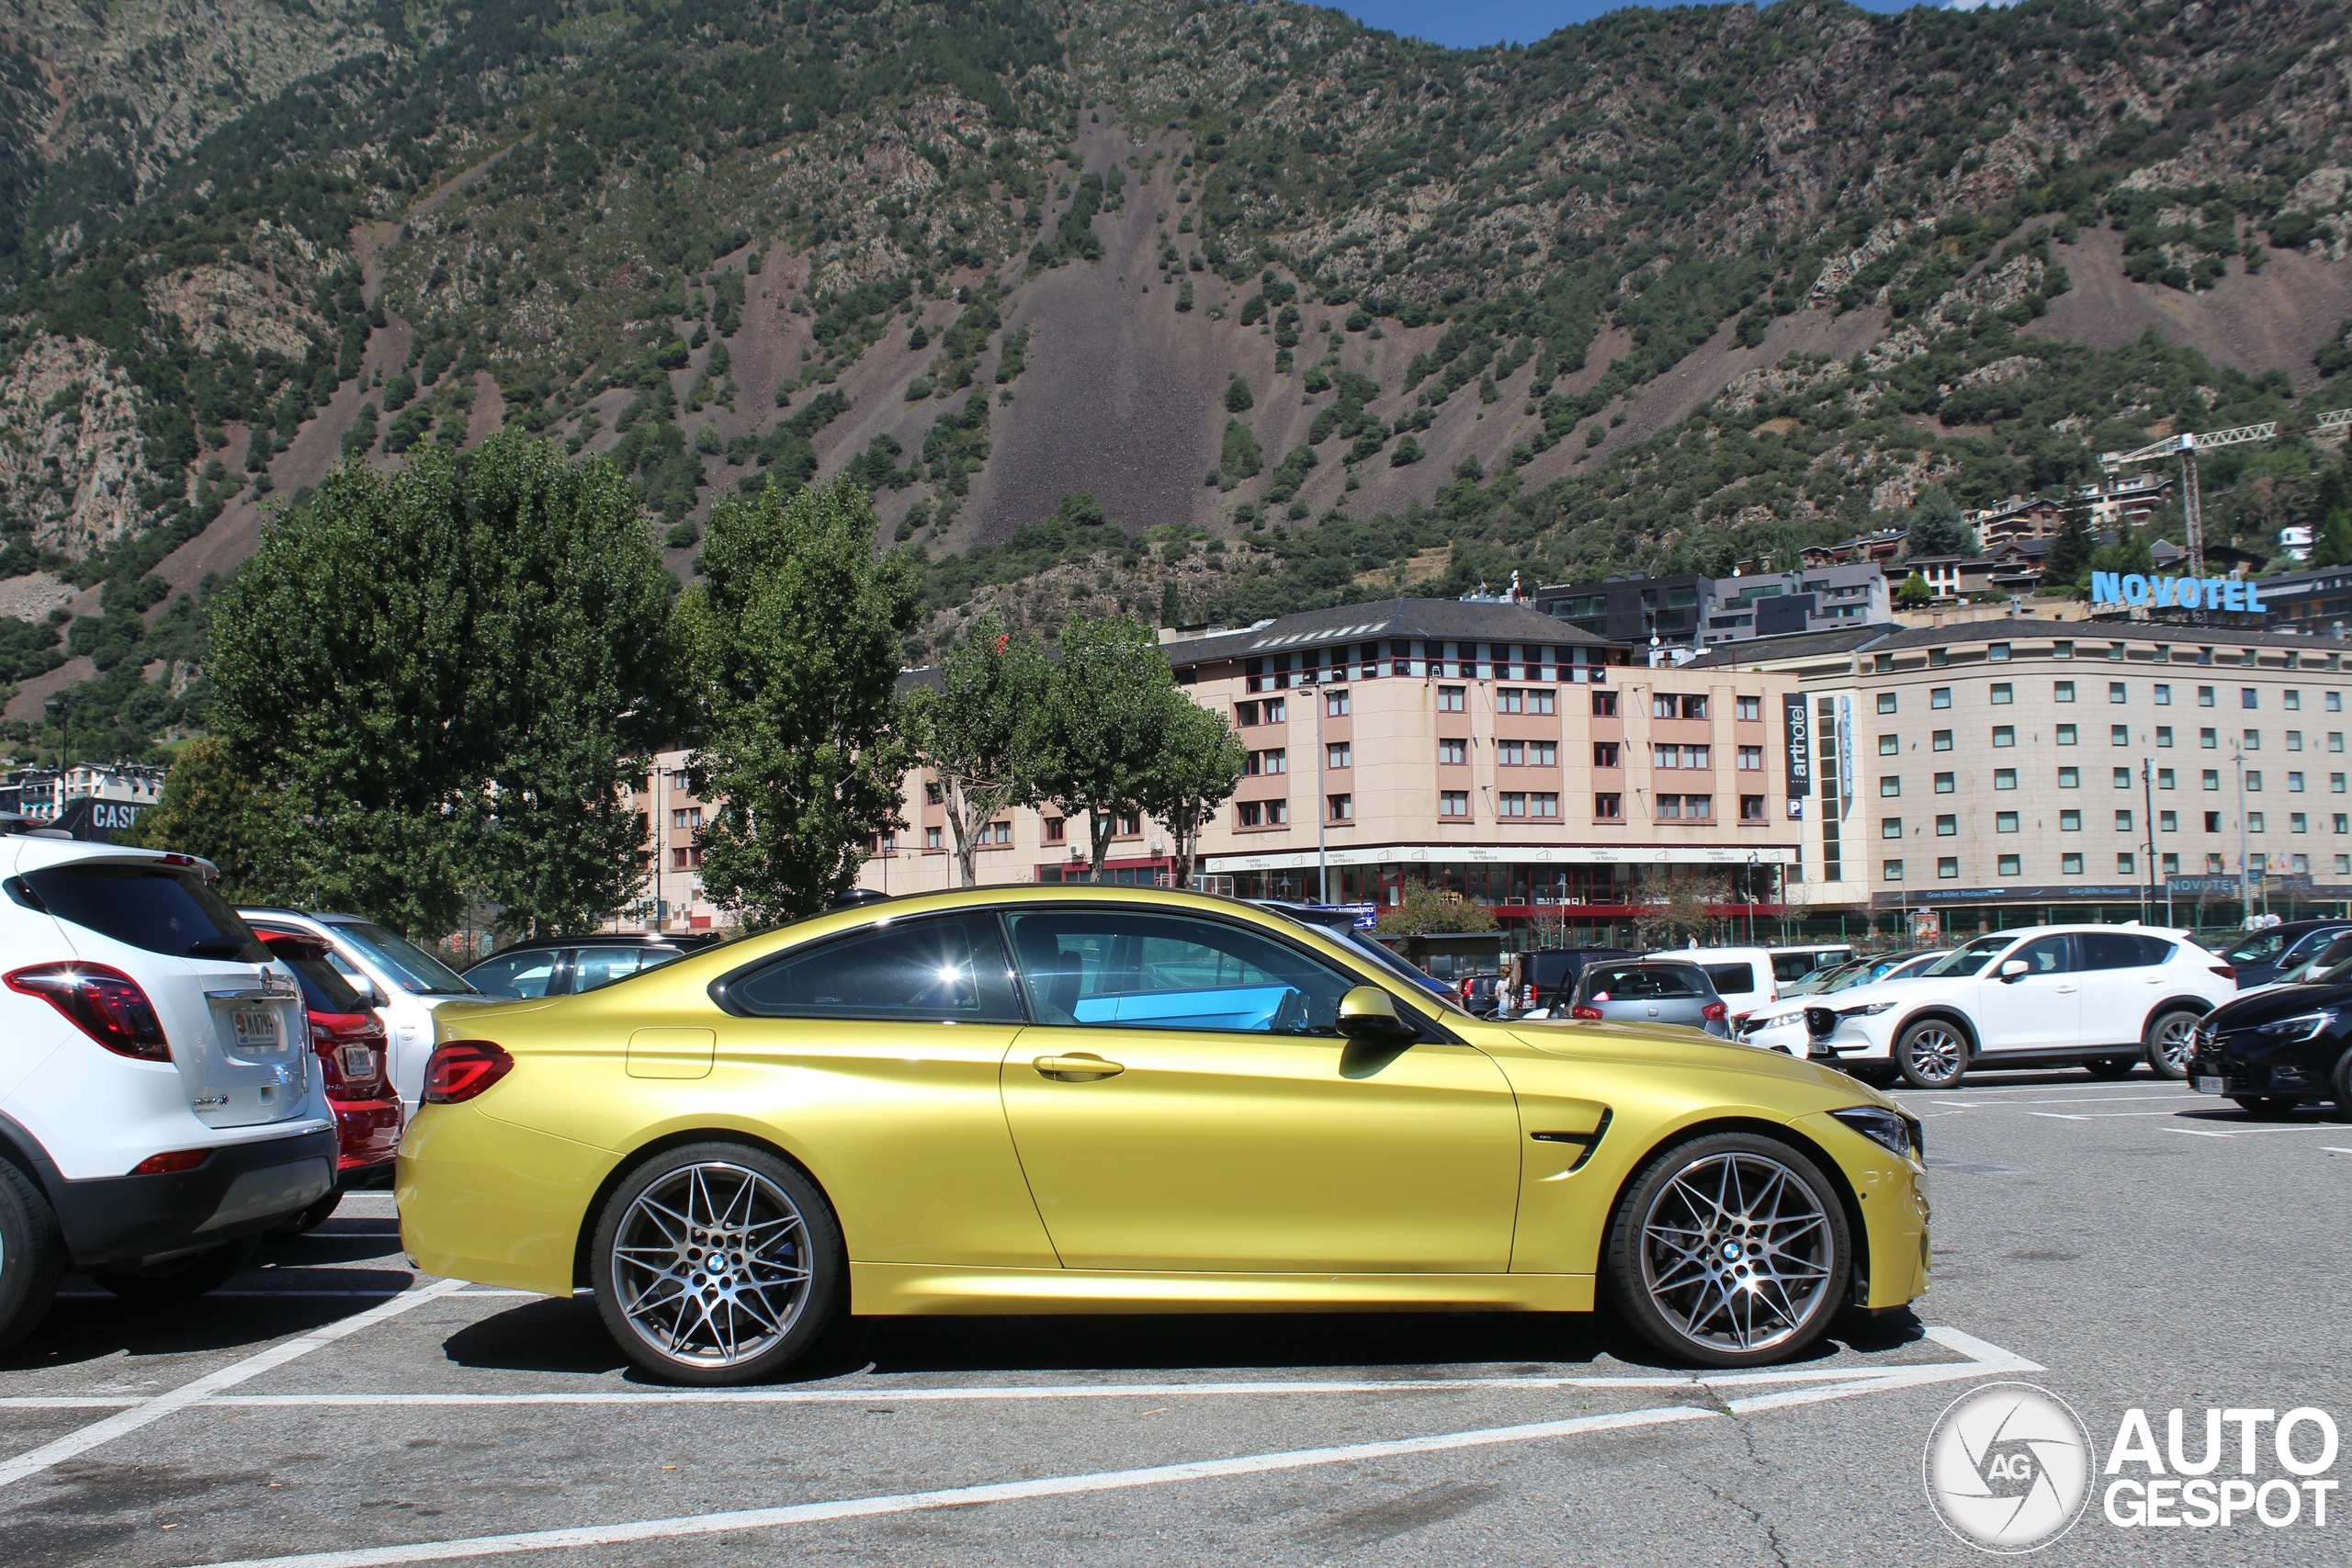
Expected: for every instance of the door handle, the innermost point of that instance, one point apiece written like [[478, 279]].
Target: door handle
[[1078, 1068], [2066, 990]]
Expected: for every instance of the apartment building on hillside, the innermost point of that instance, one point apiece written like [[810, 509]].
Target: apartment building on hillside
[[1482, 747]]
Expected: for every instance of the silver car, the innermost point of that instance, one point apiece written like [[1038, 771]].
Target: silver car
[[1651, 991]]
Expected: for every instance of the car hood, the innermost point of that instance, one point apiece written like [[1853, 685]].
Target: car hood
[[2271, 1002], [1654, 1045]]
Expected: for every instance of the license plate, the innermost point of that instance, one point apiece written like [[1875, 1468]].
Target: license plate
[[2213, 1086], [255, 1029], [358, 1062]]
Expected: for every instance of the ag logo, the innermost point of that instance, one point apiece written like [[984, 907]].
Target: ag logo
[[2008, 1468]]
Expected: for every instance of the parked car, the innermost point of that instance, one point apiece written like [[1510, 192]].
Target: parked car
[[2285, 1046], [1792, 964], [1650, 990], [563, 967], [158, 1105], [2100, 996], [1100, 1099], [2265, 954], [1742, 976], [1782, 1025], [352, 1050], [400, 982], [1551, 974], [1480, 995]]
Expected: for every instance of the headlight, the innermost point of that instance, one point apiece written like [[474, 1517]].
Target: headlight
[[1896, 1134], [2301, 1027], [1867, 1009]]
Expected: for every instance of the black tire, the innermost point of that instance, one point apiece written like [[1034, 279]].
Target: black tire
[[32, 1255], [2111, 1067], [2343, 1082], [2267, 1107], [2171, 1036], [1665, 1297], [180, 1279], [1933, 1054], [312, 1218], [807, 1243]]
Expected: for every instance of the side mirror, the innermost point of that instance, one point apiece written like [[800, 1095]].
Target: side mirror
[[2013, 970], [1369, 1014]]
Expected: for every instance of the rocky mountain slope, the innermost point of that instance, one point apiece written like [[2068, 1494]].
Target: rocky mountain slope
[[1190, 307]]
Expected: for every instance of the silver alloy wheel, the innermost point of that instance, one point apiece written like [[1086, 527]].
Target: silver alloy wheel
[[711, 1264], [2175, 1037], [1736, 1252], [1934, 1051]]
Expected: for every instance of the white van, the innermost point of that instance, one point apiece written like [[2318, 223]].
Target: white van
[[1743, 976], [1792, 963]]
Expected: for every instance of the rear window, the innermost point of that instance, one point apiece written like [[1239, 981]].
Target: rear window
[[158, 907], [323, 988], [1632, 982], [1732, 979], [411, 967]]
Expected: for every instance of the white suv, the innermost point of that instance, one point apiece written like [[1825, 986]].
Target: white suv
[[2099, 997], [402, 982], [159, 1107]]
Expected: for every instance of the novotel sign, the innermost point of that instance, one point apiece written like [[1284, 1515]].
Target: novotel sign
[[2242, 595]]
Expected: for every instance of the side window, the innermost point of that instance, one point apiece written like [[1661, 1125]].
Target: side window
[[525, 975], [951, 969], [1735, 979], [595, 966], [1118, 969], [2155, 949], [2046, 955], [2112, 950]]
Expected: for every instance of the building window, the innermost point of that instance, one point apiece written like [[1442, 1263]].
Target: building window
[[2004, 735], [2127, 864], [2204, 696], [2061, 692], [2254, 781], [1947, 868], [1890, 785], [931, 794], [687, 816], [2071, 864], [997, 833], [2123, 778], [2005, 822], [1511, 803], [1891, 871], [1944, 783], [1940, 697], [1057, 830], [2163, 695], [1338, 754], [1748, 707], [1751, 759], [1127, 827], [2168, 821], [935, 838], [2062, 650], [1604, 705], [2119, 735], [2294, 784], [2247, 696], [1336, 705], [1343, 807], [2212, 821], [2065, 736], [1890, 826], [1544, 803], [2294, 741], [1264, 813], [2208, 739], [1687, 807], [1890, 745], [1751, 809], [2005, 778], [2115, 691], [1886, 702], [1509, 699], [2254, 821], [2336, 784], [2070, 821], [2212, 865], [2253, 739], [1947, 827], [2296, 823], [1608, 807], [1996, 653], [2002, 693], [2010, 866], [1453, 803], [1451, 699], [1678, 757], [1453, 753], [2123, 821], [1687, 704], [2292, 699], [1262, 763], [2212, 779], [2164, 735], [1604, 754], [2334, 701], [1940, 740]]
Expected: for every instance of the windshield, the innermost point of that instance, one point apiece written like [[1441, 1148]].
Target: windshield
[[2331, 966], [2259, 948], [412, 968], [1370, 946], [1970, 958]]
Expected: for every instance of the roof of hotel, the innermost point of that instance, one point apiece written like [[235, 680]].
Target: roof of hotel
[[1450, 619]]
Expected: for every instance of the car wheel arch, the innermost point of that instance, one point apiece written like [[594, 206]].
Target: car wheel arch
[[584, 1246], [21, 1149], [1782, 1131], [1946, 1013], [2186, 1002]]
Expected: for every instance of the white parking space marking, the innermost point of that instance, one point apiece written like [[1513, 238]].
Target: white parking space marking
[[1984, 1360], [33, 1462]]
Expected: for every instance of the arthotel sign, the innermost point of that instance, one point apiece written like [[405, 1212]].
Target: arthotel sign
[[2241, 595]]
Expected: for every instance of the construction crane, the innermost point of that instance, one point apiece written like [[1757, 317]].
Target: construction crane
[[2335, 422], [2192, 509]]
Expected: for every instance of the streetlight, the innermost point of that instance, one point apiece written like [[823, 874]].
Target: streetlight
[[2246, 891], [1754, 860]]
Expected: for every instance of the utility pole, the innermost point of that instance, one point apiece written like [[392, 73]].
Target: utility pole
[[2246, 895], [2148, 811], [1322, 802]]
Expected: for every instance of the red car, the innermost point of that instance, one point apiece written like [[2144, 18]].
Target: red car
[[351, 1044]]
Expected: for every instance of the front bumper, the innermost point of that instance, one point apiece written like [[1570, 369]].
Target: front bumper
[[1891, 1195], [2261, 1069], [244, 1187]]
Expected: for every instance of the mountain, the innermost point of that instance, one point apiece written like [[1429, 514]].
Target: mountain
[[1191, 307]]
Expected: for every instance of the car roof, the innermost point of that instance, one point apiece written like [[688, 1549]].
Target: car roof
[[593, 938]]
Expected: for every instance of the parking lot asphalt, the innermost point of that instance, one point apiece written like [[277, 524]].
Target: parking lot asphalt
[[2123, 1245]]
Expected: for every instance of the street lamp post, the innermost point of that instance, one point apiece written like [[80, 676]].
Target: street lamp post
[[2245, 886], [2148, 814]]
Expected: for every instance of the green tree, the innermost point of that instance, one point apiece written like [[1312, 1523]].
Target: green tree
[[440, 671], [969, 730], [1937, 527], [2070, 553], [1239, 398], [210, 808], [1199, 764], [1172, 604], [1425, 911], [791, 649], [2331, 540], [1913, 592], [1101, 733]]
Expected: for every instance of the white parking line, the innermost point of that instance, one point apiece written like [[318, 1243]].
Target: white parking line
[[1990, 1361], [33, 1462]]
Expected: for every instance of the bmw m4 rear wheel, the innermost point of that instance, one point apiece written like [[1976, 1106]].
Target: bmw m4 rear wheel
[[1730, 1251], [717, 1263]]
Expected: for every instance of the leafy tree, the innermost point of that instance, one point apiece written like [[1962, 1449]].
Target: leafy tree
[[1679, 907], [441, 672], [1101, 733], [2070, 553], [1425, 911], [791, 647], [1238, 399], [210, 808], [1200, 765], [2331, 540], [1913, 592], [969, 730], [1937, 527], [1172, 604]]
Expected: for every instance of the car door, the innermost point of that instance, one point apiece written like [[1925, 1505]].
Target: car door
[[1182, 1101], [2122, 978], [2041, 1009], [877, 1052]]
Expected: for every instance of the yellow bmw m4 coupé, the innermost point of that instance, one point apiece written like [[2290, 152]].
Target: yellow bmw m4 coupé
[[1085, 1100]]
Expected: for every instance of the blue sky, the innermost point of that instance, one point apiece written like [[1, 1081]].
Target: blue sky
[[1466, 24]]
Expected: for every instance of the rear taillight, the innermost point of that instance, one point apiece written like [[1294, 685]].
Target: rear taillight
[[171, 1164], [461, 1069], [104, 1004], [1715, 1012], [1584, 1009], [2224, 971]]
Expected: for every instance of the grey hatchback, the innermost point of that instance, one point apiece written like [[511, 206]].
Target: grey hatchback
[[1651, 991]]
